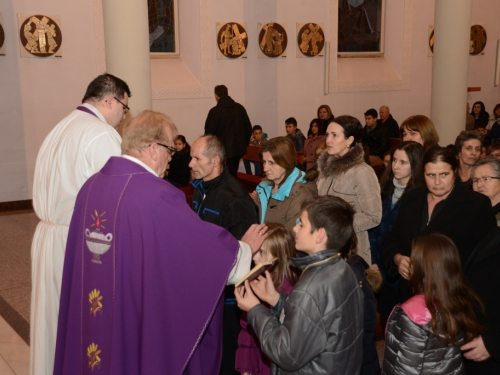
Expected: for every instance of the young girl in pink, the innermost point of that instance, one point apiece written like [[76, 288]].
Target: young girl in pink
[[280, 244]]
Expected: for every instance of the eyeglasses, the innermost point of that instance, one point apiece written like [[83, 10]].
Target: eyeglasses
[[170, 150], [484, 179], [126, 108]]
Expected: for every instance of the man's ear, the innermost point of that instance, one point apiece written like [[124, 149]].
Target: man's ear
[[215, 161], [108, 101]]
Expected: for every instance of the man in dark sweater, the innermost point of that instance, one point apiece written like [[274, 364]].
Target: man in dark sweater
[[388, 122], [229, 122], [375, 137], [223, 200]]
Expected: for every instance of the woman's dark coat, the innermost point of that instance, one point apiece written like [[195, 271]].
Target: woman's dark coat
[[466, 218], [482, 271]]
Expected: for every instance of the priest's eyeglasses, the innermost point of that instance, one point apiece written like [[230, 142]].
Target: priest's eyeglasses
[[126, 108], [170, 150], [484, 179]]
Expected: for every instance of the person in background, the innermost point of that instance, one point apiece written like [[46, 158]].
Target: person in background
[[343, 173], [229, 122], [294, 134], [486, 180], [468, 144], [315, 136], [325, 114], [480, 114], [493, 151], [495, 128], [312, 174], [402, 175], [425, 333], [179, 173], [376, 137], [442, 205], [482, 354], [370, 281], [481, 129], [279, 245], [469, 119], [258, 138], [420, 129], [388, 122]]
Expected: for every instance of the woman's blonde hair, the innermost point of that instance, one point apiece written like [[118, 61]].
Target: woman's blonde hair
[[423, 125], [148, 127], [281, 244]]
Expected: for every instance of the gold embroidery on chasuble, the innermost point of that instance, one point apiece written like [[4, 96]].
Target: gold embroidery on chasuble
[[95, 299], [93, 354]]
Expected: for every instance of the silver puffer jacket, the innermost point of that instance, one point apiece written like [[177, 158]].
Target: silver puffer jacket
[[411, 348], [322, 331]]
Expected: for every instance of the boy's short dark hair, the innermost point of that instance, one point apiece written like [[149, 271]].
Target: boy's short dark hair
[[221, 91], [256, 127], [372, 112], [333, 214], [291, 120]]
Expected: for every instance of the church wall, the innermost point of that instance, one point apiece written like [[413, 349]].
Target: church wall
[[37, 93]]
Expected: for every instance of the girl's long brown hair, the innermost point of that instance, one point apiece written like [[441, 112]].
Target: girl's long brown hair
[[437, 273], [281, 243]]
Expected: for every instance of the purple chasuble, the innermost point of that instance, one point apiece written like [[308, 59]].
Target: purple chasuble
[[143, 279]]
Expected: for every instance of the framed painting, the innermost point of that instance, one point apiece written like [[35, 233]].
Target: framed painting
[[361, 28], [163, 17]]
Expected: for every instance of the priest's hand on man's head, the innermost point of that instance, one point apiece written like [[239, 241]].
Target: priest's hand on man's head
[[245, 298], [255, 236]]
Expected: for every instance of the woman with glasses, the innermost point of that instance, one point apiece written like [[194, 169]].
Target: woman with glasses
[[440, 206], [486, 180]]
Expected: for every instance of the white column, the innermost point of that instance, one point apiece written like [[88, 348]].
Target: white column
[[127, 48], [449, 67]]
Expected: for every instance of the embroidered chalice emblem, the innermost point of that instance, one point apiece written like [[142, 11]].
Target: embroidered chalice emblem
[[95, 302], [93, 354], [98, 242]]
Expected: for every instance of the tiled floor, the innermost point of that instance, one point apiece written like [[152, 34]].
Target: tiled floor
[[14, 352], [16, 232]]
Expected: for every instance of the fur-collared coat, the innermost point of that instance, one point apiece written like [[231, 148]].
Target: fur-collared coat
[[350, 178]]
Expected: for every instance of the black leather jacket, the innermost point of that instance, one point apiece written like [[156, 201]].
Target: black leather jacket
[[322, 332]]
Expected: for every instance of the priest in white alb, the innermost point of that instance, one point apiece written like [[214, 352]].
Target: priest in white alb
[[74, 150]]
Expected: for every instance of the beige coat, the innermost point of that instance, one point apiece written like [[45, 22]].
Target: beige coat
[[351, 179]]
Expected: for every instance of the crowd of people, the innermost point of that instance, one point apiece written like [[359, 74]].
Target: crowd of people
[[129, 279]]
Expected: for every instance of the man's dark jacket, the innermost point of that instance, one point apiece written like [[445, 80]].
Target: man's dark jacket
[[391, 125], [376, 139], [229, 121], [481, 271], [226, 203]]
